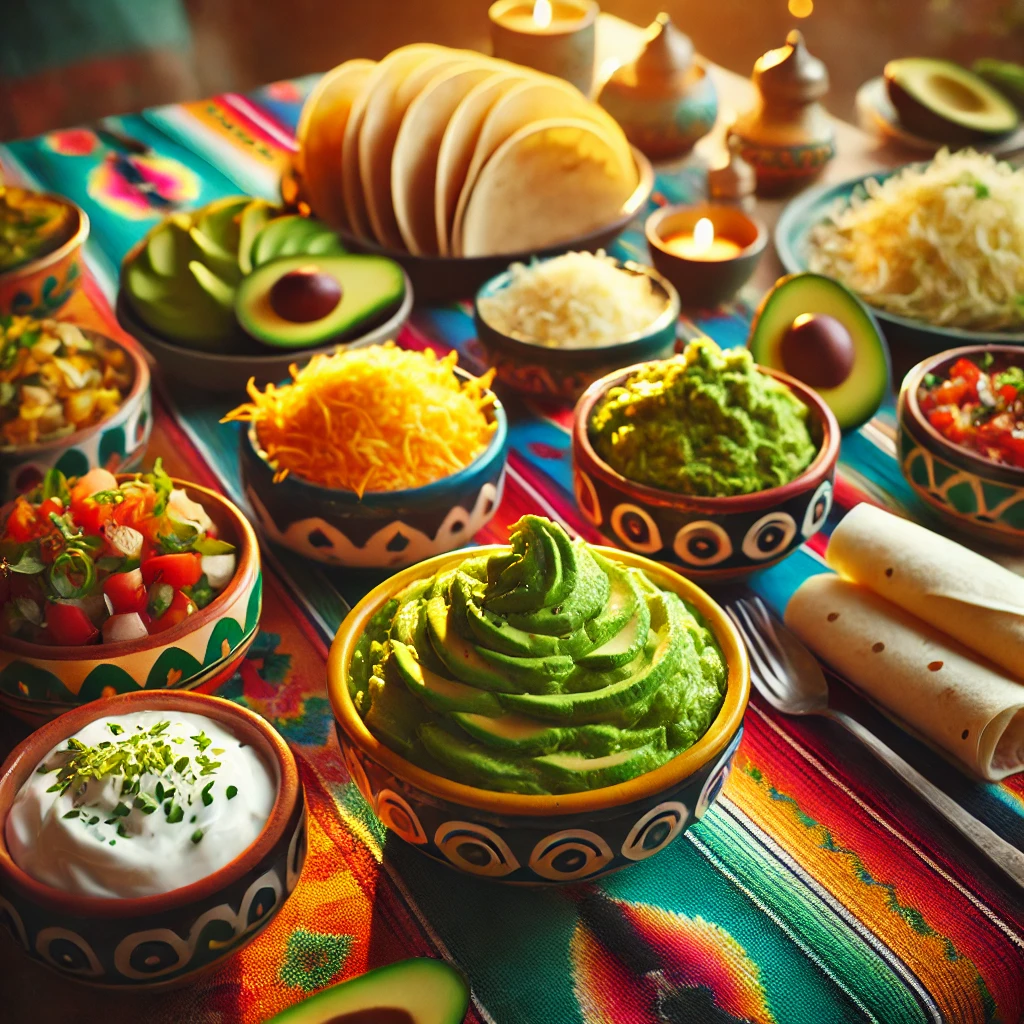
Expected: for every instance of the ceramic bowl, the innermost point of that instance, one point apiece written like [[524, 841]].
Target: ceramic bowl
[[565, 373], [539, 840], [973, 493], [117, 443], [160, 941], [38, 683], [41, 286], [707, 539]]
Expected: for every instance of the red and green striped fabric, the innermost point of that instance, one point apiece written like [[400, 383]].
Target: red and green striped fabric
[[817, 890]]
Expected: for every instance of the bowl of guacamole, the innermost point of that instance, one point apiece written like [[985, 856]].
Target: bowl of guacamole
[[543, 712], [706, 460]]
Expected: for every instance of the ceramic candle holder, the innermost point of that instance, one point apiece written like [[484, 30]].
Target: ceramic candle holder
[[564, 47], [704, 282]]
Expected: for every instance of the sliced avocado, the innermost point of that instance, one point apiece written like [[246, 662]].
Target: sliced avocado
[[570, 772], [815, 329], [289, 236], [475, 764], [219, 221], [169, 247], [418, 991], [254, 218], [623, 597], [540, 576], [460, 657], [944, 102], [1006, 76], [513, 732], [220, 261], [439, 693], [625, 645], [535, 675], [307, 300], [216, 287]]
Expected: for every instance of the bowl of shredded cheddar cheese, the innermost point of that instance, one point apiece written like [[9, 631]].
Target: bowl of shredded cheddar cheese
[[374, 457]]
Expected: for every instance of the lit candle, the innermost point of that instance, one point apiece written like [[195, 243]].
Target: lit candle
[[702, 244], [553, 36]]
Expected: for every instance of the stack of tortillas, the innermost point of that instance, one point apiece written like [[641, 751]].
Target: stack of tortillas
[[927, 629], [447, 152]]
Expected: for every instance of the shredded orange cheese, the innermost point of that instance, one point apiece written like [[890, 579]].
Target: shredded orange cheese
[[379, 418]]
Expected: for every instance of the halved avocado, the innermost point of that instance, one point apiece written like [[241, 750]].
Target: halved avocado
[[817, 330], [307, 300], [418, 991], [943, 101]]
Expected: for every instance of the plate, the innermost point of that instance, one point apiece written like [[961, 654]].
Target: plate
[[810, 208], [222, 372], [876, 113]]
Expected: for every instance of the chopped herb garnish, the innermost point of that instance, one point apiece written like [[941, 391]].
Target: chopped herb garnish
[[181, 764], [121, 810], [115, 728], [175, 814], [202, 741], [94, 820], [197, 835], [207, 795], [231, 792], [208, 766], [72, 814]]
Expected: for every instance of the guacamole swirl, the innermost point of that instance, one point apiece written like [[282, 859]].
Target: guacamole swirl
[[706, 423], [542, 668]]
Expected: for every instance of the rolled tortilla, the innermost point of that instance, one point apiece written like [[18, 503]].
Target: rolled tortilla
[[932, 683], [950, 587]]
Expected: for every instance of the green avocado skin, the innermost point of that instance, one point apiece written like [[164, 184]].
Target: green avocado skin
[[450, 682]]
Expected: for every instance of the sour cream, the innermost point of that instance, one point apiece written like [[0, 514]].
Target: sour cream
[[141, 830]]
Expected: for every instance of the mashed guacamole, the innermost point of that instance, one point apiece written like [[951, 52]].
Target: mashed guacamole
[[543, 668], [705, 423]]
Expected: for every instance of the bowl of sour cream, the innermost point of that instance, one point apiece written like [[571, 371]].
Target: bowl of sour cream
[[145, 838]]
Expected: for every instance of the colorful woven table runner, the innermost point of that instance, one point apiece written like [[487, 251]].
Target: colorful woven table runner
[[817, 891]]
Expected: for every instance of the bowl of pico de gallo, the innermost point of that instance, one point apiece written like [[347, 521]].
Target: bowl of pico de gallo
[[113, 584]]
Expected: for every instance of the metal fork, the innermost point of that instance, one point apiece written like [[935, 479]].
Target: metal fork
[[789, 677]]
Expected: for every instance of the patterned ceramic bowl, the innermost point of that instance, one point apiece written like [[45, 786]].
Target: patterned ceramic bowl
[[117, 443], [539, 840], [160, 941], [565, 373], [384, 529], [41, 286], [38, 683], [975, 494], [707, 539]]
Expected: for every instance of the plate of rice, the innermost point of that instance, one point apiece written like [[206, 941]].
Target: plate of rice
[[936, 249]]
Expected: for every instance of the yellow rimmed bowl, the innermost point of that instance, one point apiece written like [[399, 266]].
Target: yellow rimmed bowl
[[529, 839]]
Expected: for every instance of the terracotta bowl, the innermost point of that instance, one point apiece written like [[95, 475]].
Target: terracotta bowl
[[39, 682], [707, 539], [160, 941], [539, 840], [974, 494], [383, 529], [565, 373], [117, 443], [41, 286]]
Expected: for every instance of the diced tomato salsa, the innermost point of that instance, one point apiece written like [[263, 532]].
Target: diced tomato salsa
[[978, 407], [91, 560]]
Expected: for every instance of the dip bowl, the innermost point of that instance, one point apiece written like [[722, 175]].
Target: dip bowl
[[976, 495], [538, 839], [159, 941], [39, 682], [548, 371], [707, 539], [383, 529], [117, 443]]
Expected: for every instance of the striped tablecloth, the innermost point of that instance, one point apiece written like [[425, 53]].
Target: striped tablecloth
[[817, 891]]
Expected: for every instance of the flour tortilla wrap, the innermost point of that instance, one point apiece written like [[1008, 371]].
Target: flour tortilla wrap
[[954, 589], [932, 683]]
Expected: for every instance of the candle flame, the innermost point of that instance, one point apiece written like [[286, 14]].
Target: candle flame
[[801, 8], [542, 13], [703, 234]]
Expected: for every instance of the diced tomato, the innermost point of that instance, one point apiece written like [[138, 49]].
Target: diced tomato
[[43, 512], [70, 626], [966, 370], [92, 516], [21, 522], [178, 571], [181, 608], [1008, 393], [127, 591]]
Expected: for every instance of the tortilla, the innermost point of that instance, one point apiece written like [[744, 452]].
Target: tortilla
[[537, 99], [943, 583], [550, 182], [417, 147], [320, 133], [935, 685]]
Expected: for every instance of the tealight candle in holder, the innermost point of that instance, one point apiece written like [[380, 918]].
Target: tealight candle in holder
[[553, 36], [707, 251]]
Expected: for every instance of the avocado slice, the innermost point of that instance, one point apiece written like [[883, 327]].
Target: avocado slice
[[625, 645], [460, 657], [1006, 76], [944, 102], [476, 764], [417, 991], [815, 329], [535, 675], [512, 732], [290, 235], [219, 221], [439, 693], [542, 572], [326, 297], [570, 772], [254, 218]]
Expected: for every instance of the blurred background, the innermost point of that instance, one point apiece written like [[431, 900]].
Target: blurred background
[[65, 62]]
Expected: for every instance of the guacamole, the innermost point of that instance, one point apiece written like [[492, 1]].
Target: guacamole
[[31, 225], [705, 423], [543, 668]]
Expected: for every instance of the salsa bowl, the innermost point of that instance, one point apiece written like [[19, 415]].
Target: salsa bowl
[[164, 940], [708, 539], [539, 839], [39, 682]]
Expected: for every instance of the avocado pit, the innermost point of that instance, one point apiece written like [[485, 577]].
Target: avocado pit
[[818, 349], [305, 294]]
